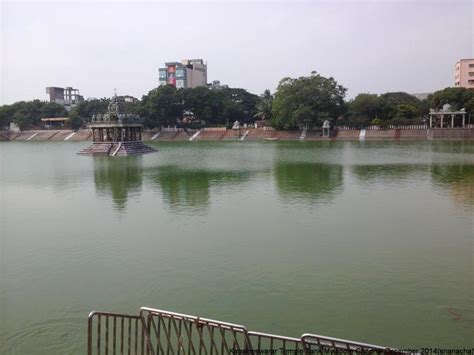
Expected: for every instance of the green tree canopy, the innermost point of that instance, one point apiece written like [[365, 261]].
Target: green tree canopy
[[162, 106], [6, 115], [165, 105], [307, 101], [297, 102], [28, 114], [201, 102], [84, 111], [89, 108], [458, 98], [264, 106], [406, 111], [367, 106], [399, 105], [238, 104]]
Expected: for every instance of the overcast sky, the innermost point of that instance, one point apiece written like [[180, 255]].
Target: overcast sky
[[367, 46]]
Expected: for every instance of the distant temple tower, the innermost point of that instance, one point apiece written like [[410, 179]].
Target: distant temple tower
[[116, 133]]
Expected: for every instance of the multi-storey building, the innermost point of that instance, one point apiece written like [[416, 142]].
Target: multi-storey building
[[189, 73], [56, 94], [464, 73], [216, 85], [68, 96]]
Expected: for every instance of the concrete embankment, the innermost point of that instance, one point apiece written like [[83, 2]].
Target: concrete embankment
[[252, 134], [47, 135]]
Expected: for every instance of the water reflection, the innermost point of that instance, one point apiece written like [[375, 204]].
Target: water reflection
[[387, 173], [189, 190], [182, 189], [453, 147], [458, 179], [310, 182], [118, 177]]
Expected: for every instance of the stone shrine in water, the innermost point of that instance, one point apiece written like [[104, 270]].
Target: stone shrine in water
[[116, 133]]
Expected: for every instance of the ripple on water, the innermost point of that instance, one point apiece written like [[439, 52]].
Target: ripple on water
[[56, 336]]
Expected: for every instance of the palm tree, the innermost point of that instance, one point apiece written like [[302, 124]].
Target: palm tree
[[264, 106]]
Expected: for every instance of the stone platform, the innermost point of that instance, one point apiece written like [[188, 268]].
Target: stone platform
[[117, 149]]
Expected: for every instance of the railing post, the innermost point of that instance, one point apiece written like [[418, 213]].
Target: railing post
[[146, 332], [89, 334]]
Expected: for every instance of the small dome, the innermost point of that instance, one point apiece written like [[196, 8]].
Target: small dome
[[446, 107]]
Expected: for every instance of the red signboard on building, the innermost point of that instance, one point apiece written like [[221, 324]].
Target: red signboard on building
[[172, 75]]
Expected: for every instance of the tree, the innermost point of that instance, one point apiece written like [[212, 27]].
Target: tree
[[52, 109], [405, 111], [307, 101], [458, 98], [204, 103], [238, 104], [86, 109], [75, 120], [6, 115], [27, 114], [365, 106], [392, 105], [469, 105], [165, 105], [264, 106], [162, 106]]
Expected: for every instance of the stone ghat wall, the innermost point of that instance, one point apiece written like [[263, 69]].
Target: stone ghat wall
[[47, 135], [252, 134]]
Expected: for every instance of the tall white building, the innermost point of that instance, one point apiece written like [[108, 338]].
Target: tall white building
[[189, 73]]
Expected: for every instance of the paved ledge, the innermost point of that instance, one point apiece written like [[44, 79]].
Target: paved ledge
[[254, 134]]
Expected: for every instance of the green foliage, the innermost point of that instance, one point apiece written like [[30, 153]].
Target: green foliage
[[6, 115], [297, 102], [398, 105], [425, 106], [51, 109], [389, 108], [76, 121], [162, 106], [376, 122], [204, 103], [307, 101], [28, 114], [132, 107], [469, 105], [86, 109], [393, 99], [405, 111], [366, 106], [237, 104], [458, 98], [165, 105], [264, 106]]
